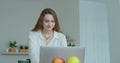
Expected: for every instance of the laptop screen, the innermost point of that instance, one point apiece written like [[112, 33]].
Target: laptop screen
[[47, 54]]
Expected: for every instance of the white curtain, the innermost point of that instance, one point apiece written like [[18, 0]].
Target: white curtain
[[94, 32]]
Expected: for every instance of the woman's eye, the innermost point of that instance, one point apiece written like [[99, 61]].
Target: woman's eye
[[46, 21], [53, 21]]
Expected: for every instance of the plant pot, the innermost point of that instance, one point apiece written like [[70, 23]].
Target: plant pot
[[12, 49], [23, 50]]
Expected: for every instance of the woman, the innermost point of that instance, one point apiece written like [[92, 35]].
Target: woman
[[47, 33]]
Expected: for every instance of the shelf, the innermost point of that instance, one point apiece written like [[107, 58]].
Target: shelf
[[15, 53]]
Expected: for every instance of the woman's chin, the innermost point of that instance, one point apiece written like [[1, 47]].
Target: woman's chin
[[49, 30]]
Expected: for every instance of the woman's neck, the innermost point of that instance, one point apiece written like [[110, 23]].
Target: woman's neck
[[48, 35], [45, 32]]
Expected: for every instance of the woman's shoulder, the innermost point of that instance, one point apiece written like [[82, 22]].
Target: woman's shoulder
[[33, 33]]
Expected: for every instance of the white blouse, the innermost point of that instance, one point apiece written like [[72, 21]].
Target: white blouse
[[36, 40]]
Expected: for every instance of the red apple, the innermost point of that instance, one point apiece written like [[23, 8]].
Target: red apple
[[58, 60]]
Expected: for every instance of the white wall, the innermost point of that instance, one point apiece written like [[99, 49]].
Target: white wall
[[113, 13], [17, 18], [94, 31], [114, 29]]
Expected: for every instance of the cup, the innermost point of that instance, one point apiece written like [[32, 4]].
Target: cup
[[23, 61]]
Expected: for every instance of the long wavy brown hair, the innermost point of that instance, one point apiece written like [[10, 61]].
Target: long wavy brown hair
[[39, 24]]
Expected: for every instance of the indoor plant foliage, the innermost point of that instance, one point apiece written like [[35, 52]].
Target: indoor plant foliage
[[12, 45], [23, 48], [26, 47], [71, 45]]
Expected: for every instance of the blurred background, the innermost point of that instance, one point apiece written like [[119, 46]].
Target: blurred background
[[93, 24]]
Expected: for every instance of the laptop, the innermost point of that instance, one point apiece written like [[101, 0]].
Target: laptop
[[48, 53]]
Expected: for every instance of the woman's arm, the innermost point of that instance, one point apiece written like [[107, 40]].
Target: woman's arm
[[32, 49], [63, 41]]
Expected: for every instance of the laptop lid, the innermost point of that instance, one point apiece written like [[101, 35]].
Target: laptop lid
[[47, 54]]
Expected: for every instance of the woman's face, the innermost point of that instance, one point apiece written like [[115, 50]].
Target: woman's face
[[48, 22]]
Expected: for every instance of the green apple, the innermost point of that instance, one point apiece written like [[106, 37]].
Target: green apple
[[58, 60], [73, 59]]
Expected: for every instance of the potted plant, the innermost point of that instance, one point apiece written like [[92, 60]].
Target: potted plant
[[71, 45], [12, 45], [26, 48], [23, 48]]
